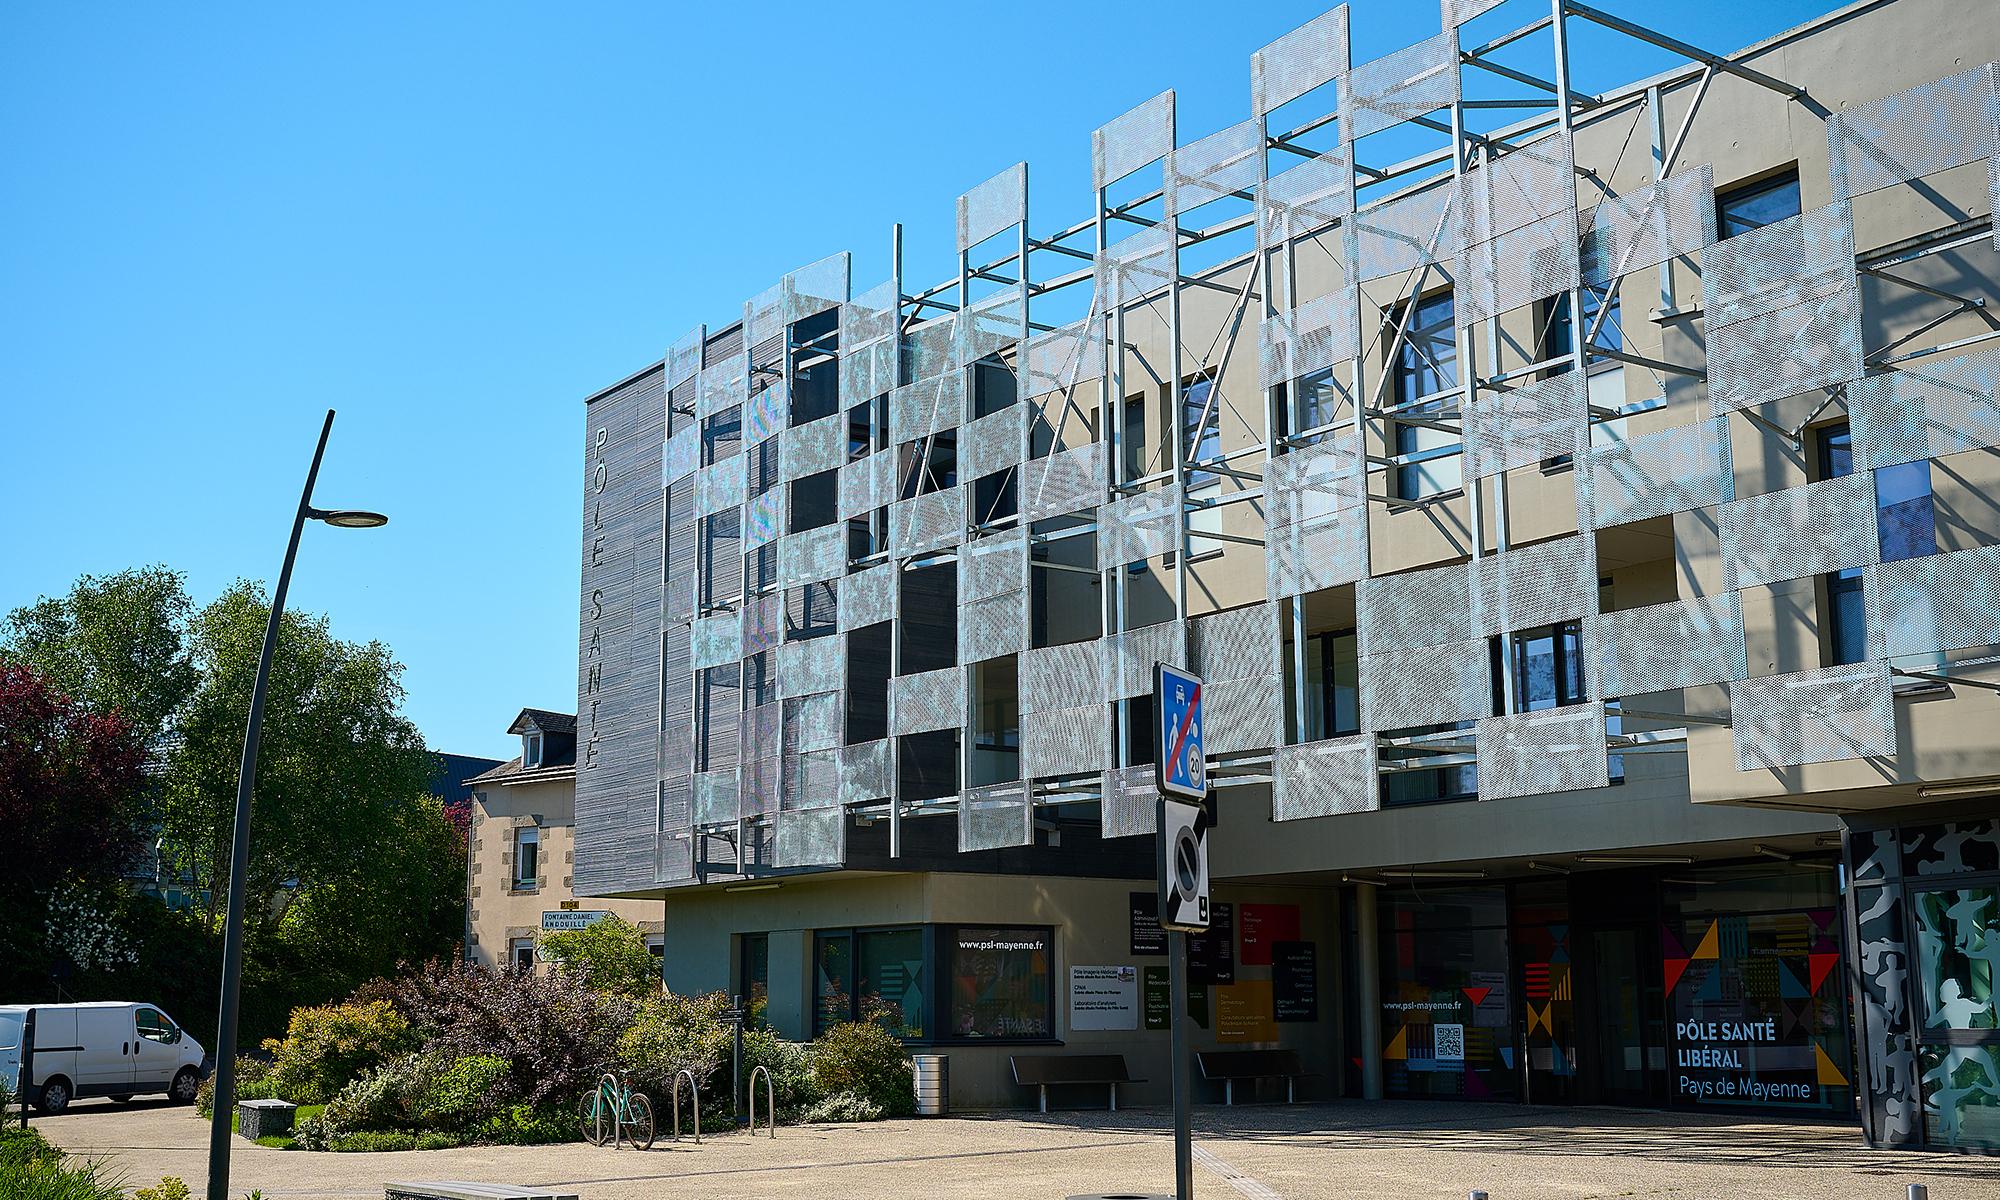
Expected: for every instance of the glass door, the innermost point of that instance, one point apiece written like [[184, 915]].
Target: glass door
[[1627, 1034]]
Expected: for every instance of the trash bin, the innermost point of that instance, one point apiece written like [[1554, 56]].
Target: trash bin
[[933, 1072]]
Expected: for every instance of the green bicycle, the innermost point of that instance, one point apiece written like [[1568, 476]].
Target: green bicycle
[[612, 1111]]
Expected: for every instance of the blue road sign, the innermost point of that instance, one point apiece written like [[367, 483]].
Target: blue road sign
[[1179, 766]]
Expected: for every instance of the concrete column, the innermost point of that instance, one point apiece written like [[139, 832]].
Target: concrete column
[[791, 992], [1368, 990], [1336, 991]]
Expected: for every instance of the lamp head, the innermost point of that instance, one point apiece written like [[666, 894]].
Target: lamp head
[[350, 518]]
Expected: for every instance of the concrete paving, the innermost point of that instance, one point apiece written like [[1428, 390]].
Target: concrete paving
[[1395, 1150]]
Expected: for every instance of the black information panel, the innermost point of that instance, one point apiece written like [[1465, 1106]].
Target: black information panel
[[1294, 981], [1147, 936], [1212, 955]]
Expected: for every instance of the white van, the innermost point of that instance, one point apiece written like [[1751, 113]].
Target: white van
[[109, 1048]]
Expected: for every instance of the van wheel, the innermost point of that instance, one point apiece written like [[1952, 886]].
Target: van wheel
[[125, 1099], [186, 1084], [55, 1096]]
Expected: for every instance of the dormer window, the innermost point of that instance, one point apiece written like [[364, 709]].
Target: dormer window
[[531, 749]]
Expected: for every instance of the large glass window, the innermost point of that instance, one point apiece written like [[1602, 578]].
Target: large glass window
[[1426, 363], [1756, 205], [1905, 524], [891, 984], [1446, 1019], [833, 981], [1548, 667], [1958, 940], [755, 986], [1000, 983]]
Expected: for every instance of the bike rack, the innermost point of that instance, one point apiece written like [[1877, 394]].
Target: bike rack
[[770, 1102], [694, 1094]]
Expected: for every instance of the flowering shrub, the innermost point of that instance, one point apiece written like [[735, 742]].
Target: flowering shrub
[[80, 927], [325, 1048], [870, 1062]]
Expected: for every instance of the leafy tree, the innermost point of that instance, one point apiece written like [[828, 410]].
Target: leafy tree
[[338, 769], [116, 643], [609, 953]]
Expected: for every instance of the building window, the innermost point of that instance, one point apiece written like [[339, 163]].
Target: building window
[[1610, 335], [1000, 983], [527, 847], [1905, 523], [521, 954], [881, 976], [1756, 205], [1548, 668], [1201, 430], [531, 749], [833, 981], [1426, 365], [1332, 688], [755, 985]]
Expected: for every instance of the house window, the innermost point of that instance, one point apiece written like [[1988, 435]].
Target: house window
[[1201, 430], [521, 954], [1000, 983], [1548, 668], [1610, 335], [527, 856], [1905, 523], [1756, 205], [1426, 364], [531, 749]]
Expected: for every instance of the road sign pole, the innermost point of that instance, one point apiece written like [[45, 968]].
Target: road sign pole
[[1177, 973]]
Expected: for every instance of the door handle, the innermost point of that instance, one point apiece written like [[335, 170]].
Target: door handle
[[122, 1048]]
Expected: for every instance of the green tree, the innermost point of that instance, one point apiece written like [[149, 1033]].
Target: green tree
[[338, 771], [609, 953], [116, 643]]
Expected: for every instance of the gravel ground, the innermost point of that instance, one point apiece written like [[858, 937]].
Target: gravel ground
[[1393, 1150]]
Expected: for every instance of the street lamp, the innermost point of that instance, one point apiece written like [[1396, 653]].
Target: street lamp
[[239, 860]]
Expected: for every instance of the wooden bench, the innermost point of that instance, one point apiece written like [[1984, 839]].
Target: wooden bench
[[1232, 1065], [1040, 1070]]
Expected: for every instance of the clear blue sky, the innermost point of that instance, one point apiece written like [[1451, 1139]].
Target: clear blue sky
[[452, 222]]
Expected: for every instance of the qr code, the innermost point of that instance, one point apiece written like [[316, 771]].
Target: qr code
[[1448, 1042]]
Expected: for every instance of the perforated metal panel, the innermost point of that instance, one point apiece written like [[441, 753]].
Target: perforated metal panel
[[1314, 481], [1129, 270], [1929, 605], [1408, 83], [812, 556], [866, 484], [1219, 165], [1305, 198], [1546, 419], [1786, 263], [994, 442], [999, 203], [1931, 128], [1238, 644], [812, 838], [929, 701], [928, 522], [812, 723], [682, 456], [719, 486], [1523, 187], [723, 385], [1674, 470], [811, 780], [1405, 233], [1129, 657], [1315, 555], [1430, 685], [764, 315], [990, 325], [1062, 357], [811, 448], [1065, 741], [927, 406], [1926, 411], [1313, 54], [1824, 715], [993, 564], [1065, 482], [933, 349], [1458, 12], [1536, 753], [813, 665], [1059, 677], [1418, 608], [1130, 806], [717, 640], [715, 797], [1311, 337], [1645, 228], [1130, 141], [1536, 586], [993, 626], [993, 817], [1661, 647], [767, 414], [1799, 531], [865, 771], [869, 350], [764, 520], [815, 288], [684, 356], [1324, 779], [1518, 267], [1141, 526], [1241, 714], [757, 787]]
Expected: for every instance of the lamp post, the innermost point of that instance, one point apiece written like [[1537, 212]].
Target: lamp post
[[239, 859]]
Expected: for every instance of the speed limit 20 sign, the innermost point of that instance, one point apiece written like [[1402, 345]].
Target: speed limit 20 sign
[[1181, 769]]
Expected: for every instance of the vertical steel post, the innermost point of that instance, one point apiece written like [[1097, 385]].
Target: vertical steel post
[[895, 566], [1177, 979], [1660, 167], [239, 857], [26, 1078]]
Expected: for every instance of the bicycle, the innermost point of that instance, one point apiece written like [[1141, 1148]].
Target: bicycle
[[613, 1111]]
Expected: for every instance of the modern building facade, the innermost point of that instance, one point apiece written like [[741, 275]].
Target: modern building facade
[[520, 851], [1581, 509]]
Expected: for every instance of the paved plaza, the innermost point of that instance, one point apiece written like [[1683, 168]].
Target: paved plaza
[[1343, 1149]]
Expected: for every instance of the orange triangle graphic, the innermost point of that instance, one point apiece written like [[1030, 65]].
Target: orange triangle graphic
[[1540, 1018], [1828, 1073], [1710, 942], [1398, 1049], [1821, 965], [1674, 968], [1477, 995]]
